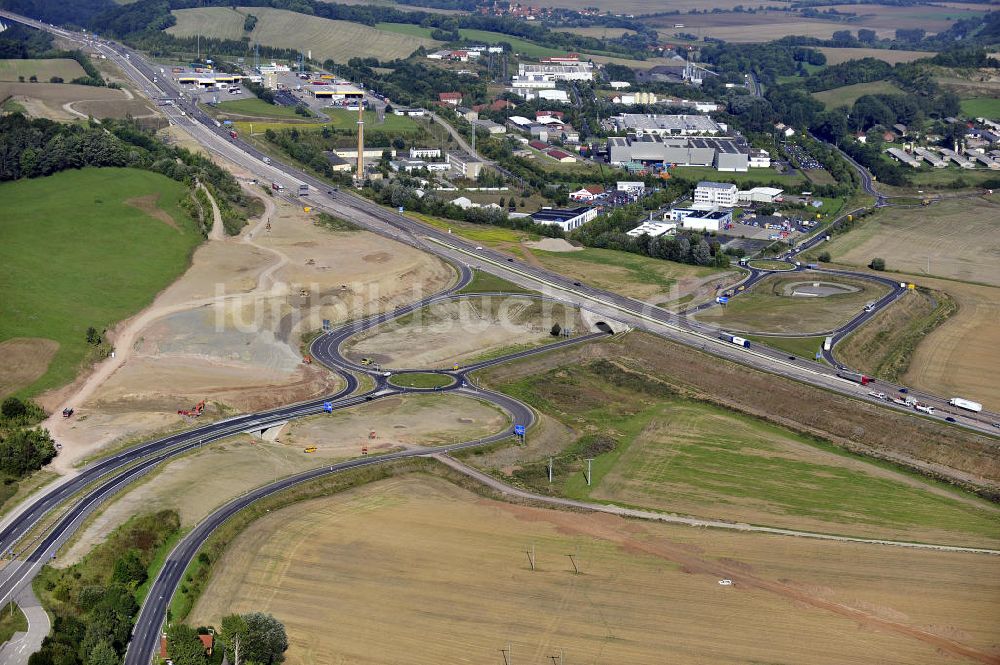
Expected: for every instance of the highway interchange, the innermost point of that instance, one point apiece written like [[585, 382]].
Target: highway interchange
[[102, 479]]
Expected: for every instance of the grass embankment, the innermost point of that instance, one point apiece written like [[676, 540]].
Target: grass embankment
[[653, 448], [884, 346], [421, 380], [12, 620], [484, 282], [768, 264], [804, 347], [755, 175], [86, 249]]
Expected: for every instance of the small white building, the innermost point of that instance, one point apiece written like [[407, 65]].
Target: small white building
[[716, 194], [425, 153], [760, 159], [630, 186], [713, 220], [760, 195], [653, 229], [566, 219], [620, 85]]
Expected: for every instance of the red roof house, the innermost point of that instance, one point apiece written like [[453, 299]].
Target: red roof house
[[453, 98]]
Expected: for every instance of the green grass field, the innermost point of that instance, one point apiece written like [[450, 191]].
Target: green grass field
[[848, 94], [981, 107], [656, 450], [75, 254], [44, 69], [258, 108], [339, 119], [520, 46], [421, 380], [768, 264]]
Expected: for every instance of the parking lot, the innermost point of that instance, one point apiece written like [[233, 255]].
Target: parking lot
[[803, 158]]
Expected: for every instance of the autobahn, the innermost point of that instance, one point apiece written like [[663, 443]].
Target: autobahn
[[96, 482]]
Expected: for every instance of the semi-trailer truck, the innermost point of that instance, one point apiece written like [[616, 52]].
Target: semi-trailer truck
[[303, 190], [855, 377], [277, 186], [968, 405], [733, 339]]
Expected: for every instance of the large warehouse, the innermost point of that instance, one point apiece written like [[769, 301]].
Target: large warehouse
[[722, 153], [669, 125]]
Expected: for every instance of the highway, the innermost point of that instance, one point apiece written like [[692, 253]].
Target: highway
[[102, 479]]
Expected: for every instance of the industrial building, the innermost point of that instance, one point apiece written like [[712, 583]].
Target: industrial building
[[465, 165], [562, 71], [697, 219], [760, 195], [565, 218], [715, 194], [905, 157], [336, 92], [722, 153], [669, 125]]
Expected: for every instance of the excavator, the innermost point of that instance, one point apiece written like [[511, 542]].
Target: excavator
[[195, 412]]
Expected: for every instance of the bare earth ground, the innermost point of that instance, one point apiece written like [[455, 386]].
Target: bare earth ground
[[224, 470], [954, 238], [835, 56], [454, 332], [24, 360], [229, 329], [959, 358], [450, 568]]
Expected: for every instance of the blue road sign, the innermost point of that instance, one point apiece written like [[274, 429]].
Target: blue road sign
[[519, 430], [819, 355], [400, 208], [722, 300], [328, 407]]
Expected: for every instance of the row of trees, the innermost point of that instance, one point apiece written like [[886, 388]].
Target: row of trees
[[250, 639]]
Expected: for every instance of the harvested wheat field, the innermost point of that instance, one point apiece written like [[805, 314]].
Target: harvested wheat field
[[228, 468], [326, 38], [55, 100], [229, 330], [796, 303], [461, 331], [416, 570], [959, 358], [835, 56], [955, 238]]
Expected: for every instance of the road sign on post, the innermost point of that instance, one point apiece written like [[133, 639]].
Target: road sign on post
[[328, 407], [519, 430], [326, 325], [722, 300]]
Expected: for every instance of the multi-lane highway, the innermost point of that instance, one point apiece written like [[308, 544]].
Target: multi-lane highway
[[95, 483]]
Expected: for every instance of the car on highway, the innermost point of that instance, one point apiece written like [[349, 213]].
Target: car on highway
[[904, 390], [577, 284], [510, 259], [479, 249], [950, 419], [791, 357]]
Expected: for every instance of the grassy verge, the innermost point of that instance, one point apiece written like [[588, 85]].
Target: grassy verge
[[12, 620], [420, 380], [484, 282], [17, 491], [767, 264], [334, 223], [258, 108], [804, 347]]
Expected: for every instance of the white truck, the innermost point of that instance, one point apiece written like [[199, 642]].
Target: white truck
[[968, 405], [828, 343]]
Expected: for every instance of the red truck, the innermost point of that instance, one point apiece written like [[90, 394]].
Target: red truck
[[233, 134]]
